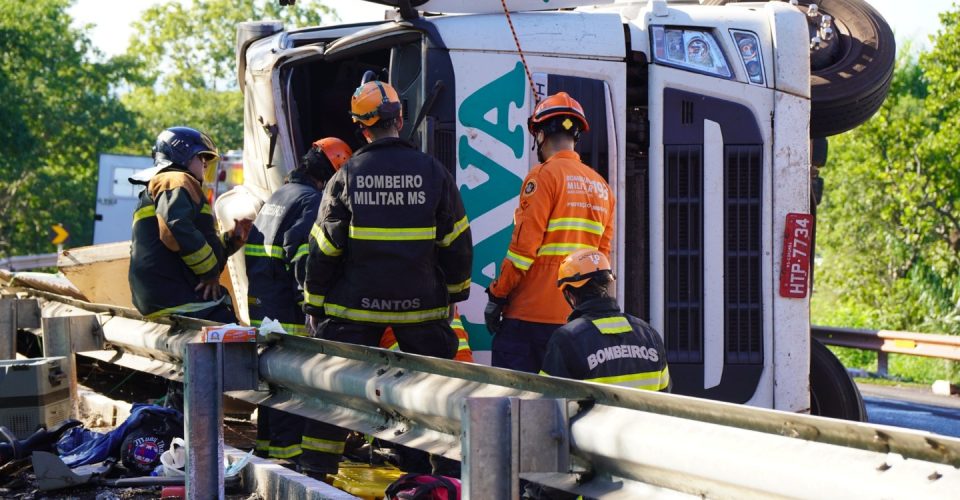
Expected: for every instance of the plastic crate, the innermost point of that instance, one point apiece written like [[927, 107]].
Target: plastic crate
[[33, 392], [364, 480]]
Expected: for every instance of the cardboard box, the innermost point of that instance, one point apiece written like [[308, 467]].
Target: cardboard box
[[228, 333]]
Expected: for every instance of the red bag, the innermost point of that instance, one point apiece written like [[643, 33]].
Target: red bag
[[424, 487]]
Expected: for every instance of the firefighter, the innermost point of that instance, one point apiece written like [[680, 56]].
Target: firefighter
[[177, 253], [564, 206], [601, 343], [391, 246], [275, 256]]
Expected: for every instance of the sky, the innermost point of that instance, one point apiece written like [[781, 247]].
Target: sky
[[113, 18]]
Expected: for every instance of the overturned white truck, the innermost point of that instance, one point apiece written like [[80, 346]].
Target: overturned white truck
[[704, 119]]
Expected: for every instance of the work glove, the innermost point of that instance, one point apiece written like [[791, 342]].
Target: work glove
[[493, 313]]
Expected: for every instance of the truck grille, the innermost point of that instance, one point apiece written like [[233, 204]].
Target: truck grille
[[743, 311], [684, 253]]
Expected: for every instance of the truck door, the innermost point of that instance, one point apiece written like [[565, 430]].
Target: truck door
[[709, 246], [116, 197]]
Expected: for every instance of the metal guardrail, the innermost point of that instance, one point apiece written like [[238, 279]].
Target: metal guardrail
[[26, 262], [620, 440], [885, 342]]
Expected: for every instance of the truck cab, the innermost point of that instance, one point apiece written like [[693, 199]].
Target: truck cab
[[700, 120]]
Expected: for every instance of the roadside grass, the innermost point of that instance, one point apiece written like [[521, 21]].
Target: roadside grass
[[900, 367]]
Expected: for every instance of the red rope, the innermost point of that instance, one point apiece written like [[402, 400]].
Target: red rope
[[533, 87]]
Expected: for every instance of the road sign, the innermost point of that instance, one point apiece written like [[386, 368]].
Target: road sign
[[60, 234]]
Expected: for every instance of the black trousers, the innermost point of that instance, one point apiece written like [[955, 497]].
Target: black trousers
[[435, 339]]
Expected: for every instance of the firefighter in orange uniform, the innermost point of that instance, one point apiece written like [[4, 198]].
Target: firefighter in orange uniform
[[565, 206]]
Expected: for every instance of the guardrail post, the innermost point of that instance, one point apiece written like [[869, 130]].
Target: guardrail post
[[882, 362], [203, 389], [67, 335], [489, 448], [211, 369], [8, 329]]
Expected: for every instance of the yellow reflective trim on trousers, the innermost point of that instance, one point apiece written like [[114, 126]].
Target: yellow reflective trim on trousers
[[458, 229], [421, 316], [313, 299], [326, 246], [395, 346], [520, 262], [651, 381], [285, 451], [144, 212], [302, 251], [464, 345], [290, 328], [263, 251], [612, 325], [563, 248], [456, 324], [393, 233], [262, 445], [322, 445], [575, 224], [205, 264], [206, 209], [190, 307], [459, 287]]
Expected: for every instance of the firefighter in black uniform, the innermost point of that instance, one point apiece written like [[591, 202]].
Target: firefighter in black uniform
[[600, 343], [177, 253], [392, 244], [276, 259]]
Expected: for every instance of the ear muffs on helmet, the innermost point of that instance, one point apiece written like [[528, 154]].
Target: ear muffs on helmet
[[374, 101]]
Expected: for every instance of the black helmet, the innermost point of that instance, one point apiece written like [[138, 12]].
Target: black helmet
[[177, 145]]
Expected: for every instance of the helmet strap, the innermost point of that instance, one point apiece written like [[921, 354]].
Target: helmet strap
[[570, 297]]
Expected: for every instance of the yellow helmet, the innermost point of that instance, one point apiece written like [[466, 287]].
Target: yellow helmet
[[374, 101], [580, 267]]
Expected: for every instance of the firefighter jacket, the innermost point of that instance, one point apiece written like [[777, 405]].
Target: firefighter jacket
[[602, 344], [175, 245], [565, 206], [276, 253], [392, 243], [389, 340]]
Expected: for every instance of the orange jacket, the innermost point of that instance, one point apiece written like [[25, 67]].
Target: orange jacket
[[389, 341], [564, 206]]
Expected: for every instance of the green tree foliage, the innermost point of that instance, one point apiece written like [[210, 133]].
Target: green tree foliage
[[188, 65], [57, 113]]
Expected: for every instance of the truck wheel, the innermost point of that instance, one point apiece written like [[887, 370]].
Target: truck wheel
[[832, 391], [850, 74]]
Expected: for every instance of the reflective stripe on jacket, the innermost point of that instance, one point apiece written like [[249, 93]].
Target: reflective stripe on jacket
[[565, 206], [392, 243], [602, 344], [174, 246], [276, 252]]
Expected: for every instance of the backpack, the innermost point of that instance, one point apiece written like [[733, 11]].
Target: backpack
[[423, 487]]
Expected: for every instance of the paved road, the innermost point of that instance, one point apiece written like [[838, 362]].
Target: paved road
[[912, 409]]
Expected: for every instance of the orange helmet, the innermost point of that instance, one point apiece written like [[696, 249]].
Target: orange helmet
[[582, 266], [337, 151], [374, 101], [557, 105]]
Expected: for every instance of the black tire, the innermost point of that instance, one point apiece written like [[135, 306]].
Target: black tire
[[850, 76], [832, 392]]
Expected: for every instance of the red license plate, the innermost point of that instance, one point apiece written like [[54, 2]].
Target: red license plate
[[795, 267]]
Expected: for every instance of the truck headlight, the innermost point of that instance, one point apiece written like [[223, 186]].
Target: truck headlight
[[748, 46], [690, 49]]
